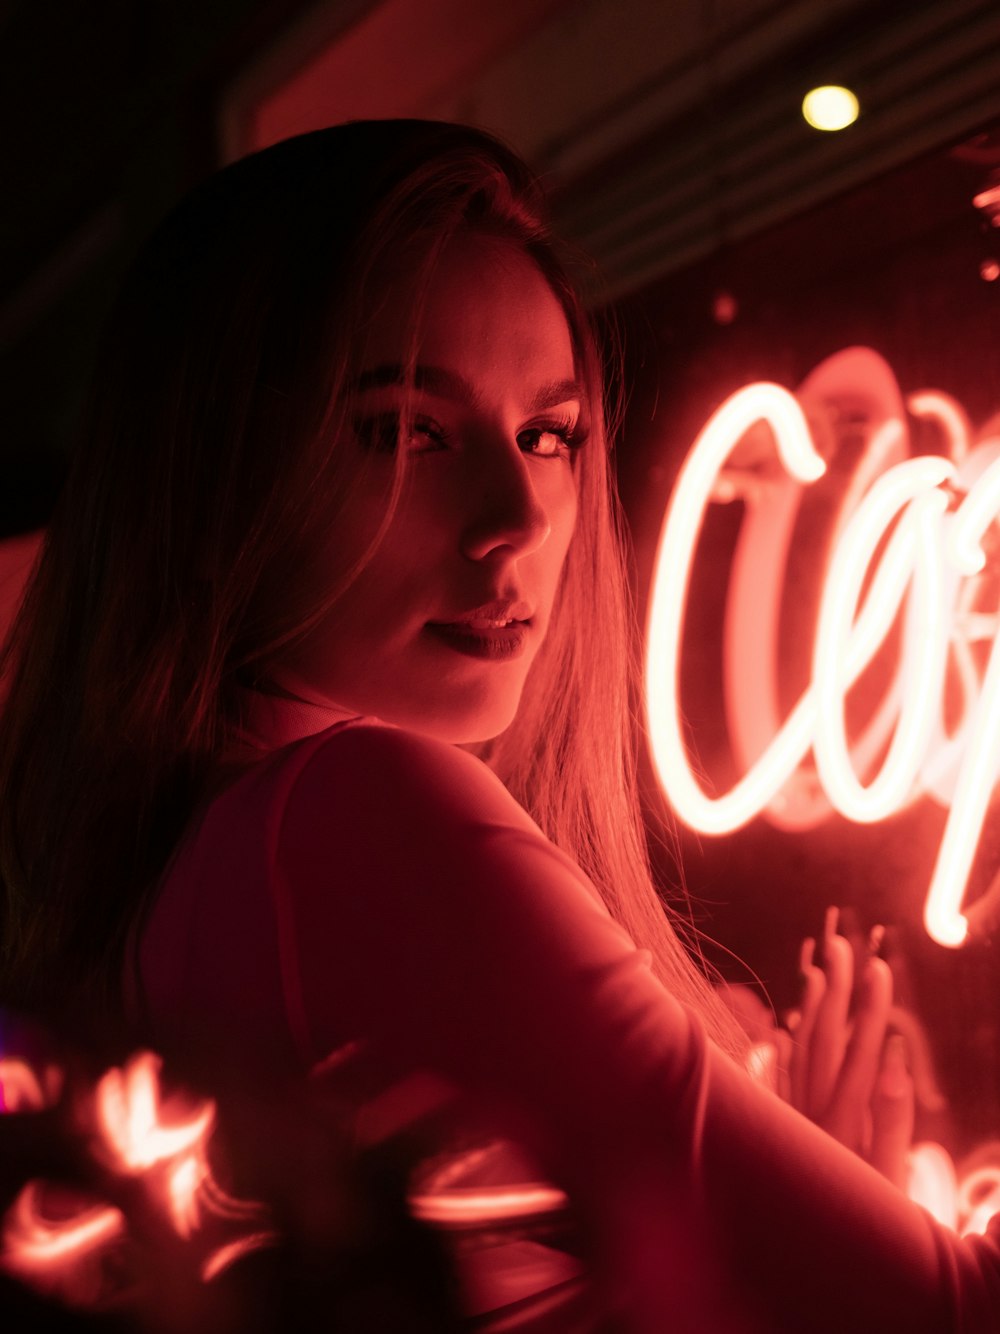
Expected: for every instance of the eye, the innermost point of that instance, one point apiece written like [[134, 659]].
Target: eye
[[382, 432], [550, 440]]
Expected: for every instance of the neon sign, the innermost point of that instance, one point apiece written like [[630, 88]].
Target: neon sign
[[908, 555]]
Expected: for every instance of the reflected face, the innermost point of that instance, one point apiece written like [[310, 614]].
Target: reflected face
[[439, 630]]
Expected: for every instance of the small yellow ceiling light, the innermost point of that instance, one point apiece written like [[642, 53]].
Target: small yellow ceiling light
[[830, 107]]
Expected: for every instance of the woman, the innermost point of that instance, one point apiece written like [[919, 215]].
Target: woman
[[323, 683]]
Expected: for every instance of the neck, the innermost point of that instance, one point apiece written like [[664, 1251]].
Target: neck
[[278, 713]]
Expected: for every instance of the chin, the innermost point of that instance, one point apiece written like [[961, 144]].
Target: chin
[[471, 725]]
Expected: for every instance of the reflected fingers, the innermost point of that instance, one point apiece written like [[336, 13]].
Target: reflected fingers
[[829, 1038], [846, 1116], [813, 990], [892, 1114]]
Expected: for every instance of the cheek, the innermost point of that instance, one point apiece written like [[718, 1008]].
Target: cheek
[[564, 520], [393, 558], [405, 571]]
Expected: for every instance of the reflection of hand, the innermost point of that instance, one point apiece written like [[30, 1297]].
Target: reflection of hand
[[842, 1073]]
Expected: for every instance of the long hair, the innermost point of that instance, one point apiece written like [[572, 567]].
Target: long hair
[[206, 470]]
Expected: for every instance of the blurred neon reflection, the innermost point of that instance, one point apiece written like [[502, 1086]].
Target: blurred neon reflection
[[33, 1241], [963, 1201], [129, 1109], [910, 543], [20, 1087], [134, 1134]]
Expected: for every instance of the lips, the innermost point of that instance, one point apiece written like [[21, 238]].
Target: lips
[[494, 643], [496, 615]]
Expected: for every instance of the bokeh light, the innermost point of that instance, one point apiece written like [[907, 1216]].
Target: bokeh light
[[830, 107]]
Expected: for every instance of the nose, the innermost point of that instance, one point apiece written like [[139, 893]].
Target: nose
[[509, 514]]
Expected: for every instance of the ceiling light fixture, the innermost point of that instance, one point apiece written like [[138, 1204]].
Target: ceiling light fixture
[[830, 107]]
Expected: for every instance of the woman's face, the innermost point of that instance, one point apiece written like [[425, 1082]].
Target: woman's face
[[439, 630]]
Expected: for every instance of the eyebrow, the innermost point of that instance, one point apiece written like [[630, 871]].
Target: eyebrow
[[449, 384]]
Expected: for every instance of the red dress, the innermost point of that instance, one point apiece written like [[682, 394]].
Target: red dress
[[375, 892]]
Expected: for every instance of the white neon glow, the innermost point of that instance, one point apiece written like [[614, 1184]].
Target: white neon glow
[[751, 694], [965, 1202], [129, 1109], [750, 642], [908, 562], [899, 556], [968, 526], [978, 769], [978, 1199], [131, 1117], [184, 1179], [668, 600], [931, 1182], [970, 625]]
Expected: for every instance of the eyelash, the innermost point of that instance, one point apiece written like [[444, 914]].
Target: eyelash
[[381, 432], [567, 429]]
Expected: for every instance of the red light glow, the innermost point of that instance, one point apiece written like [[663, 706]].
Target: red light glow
[[464, 1207], [31, 1239], [20, 1088]]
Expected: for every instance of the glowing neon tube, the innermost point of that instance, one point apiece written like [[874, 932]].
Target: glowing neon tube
[[897, 551], [668, 600]]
